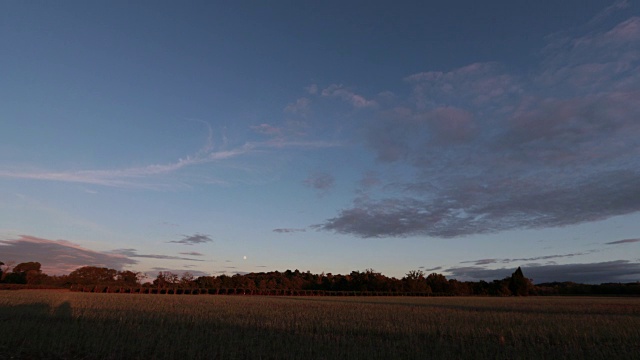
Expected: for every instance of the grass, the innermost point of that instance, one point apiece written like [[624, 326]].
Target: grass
[[37, 324]]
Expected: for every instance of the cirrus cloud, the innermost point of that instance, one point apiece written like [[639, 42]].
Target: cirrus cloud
[[133, 253], [625, 241], [321, 181], [357, 101], [288, 230]]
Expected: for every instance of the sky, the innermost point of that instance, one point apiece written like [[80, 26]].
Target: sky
[[220, 137]]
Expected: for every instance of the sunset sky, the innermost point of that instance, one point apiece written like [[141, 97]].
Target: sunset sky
[[461, 137]]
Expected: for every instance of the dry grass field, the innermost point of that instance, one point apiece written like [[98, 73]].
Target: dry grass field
[[45, 324]]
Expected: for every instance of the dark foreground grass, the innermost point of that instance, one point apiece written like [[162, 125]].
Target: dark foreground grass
[[42, 324]]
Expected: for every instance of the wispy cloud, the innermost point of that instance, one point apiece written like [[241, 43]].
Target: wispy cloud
[[289, 135], [321, 181], [357, 101], [431, 269], [193, 239], [288, 230], [480, 84], [155, 176], [192, 253], [590, 62], [300, 107], [482, 261], [133, 253], [609, 10], [141, 177], [267, 129], [625, 241], [369, 180], [312, 89], [535, 258], [302, 144], [495, 150]]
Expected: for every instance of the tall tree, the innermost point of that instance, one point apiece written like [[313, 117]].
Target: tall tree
[[93, 275], [438, 283], [5, 269], [27, 266], [520, 285], [166, 279], [129, 278], [414, 281], [25, 273], [187, 280]]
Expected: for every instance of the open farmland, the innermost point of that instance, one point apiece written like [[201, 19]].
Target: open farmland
[[67, 325]]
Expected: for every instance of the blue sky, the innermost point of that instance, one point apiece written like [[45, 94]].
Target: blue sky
[[463, 138]]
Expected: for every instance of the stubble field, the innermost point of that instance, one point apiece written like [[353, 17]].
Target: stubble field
[[36, 324]]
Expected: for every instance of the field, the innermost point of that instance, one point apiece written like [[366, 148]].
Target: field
[[36, 324]]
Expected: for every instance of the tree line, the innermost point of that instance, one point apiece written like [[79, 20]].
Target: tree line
[[30, 273], [367, 281]]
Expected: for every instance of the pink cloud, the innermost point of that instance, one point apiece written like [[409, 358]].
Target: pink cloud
[[594, 62], [321, 181], [628, 30], [312, 89], [471, 69], [478, 83], [267, 129], [300, 107], [354, 99], [451, 124], [493, 150], [59, 256], [618, 5]]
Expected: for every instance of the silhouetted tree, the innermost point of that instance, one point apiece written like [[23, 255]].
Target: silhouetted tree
[[520, 285], [129, 278], [370, 281], [209, 282], [6, 269], [438, 283], [500, 287], [92, 275], [459, 288], [27, 266], [414, 281], [32, 272], [187, 280], [480, 288], [15, 278], [25, 273], [166, 279]]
